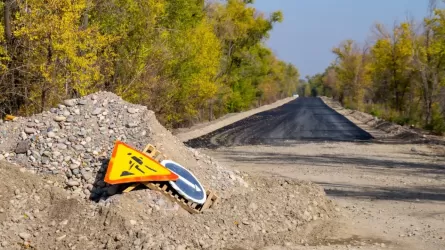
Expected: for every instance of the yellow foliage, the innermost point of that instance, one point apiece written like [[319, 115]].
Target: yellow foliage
[[64, 54]]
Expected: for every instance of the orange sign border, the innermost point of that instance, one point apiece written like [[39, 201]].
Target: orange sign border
[[171, 177]]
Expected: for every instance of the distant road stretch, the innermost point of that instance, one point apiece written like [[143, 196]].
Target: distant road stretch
[[304, 119]]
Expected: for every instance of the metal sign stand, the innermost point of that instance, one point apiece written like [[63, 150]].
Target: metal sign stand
[[163, 187]]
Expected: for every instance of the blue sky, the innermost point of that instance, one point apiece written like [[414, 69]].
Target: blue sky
[[311, 28]]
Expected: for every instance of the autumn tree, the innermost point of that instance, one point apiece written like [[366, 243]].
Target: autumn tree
[[352, 73], [392, 58], [430, 61], [186, 60]]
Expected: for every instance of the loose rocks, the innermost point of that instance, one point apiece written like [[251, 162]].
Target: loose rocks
[[59, 118], [70, 103], [75, 141]]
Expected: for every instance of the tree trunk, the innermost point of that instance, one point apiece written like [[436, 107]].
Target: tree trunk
[[8, 28]]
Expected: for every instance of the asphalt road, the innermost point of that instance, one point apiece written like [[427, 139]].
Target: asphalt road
[[304, 119]]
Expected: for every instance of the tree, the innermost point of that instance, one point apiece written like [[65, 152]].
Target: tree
[[392, 57], [64, 59], [430, 59], [352, 73]]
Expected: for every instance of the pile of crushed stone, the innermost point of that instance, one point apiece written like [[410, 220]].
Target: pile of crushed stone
[[74, 141], [57, 161], [34, 214]]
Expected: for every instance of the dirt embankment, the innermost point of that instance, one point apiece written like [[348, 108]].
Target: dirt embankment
[[382, 129]]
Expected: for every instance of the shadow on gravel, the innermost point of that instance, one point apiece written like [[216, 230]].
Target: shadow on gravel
[[101, 190], [371, 165], [304, 119], [419, 194]]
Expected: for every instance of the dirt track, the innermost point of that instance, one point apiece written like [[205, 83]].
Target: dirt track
[[392, 193]]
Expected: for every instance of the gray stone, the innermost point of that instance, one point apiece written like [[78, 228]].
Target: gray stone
[[30, 130], [61, 146], [78, 147], [86, 175], [68, 174], [66, 113], [45, 160], [51, 134], [35, 154], [82, 133], [74, 166], [23, 147], [23, 135], [24, 236], [96, 111], [76, 171], [32, 158], [132, 110], [76, 111], [132, 125], [70, 118], [82, 102], [72, 183], [31, 125], [46, 153], [59, 118], [70, 103]]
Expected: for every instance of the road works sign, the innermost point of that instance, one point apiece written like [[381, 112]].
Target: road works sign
[[130, 165], [187, 184]]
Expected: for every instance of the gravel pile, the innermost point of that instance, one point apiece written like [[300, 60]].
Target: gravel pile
[[74, 141], [59, 159]]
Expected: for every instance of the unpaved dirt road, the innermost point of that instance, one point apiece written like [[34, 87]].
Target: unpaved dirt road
[[392, 194]]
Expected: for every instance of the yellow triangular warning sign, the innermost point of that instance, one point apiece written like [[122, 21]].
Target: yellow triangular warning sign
[[130, 165]]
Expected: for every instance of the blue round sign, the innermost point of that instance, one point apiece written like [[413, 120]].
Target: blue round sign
[[187, 184]]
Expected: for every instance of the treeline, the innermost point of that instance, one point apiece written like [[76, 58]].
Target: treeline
[[187, 60], [400, 76]]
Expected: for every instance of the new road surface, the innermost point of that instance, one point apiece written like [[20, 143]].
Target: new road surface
[[301, 119]]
